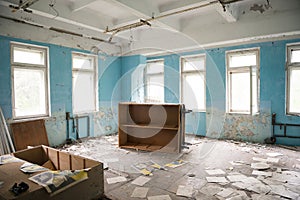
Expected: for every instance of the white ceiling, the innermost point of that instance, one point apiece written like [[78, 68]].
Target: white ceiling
[[206, 24]]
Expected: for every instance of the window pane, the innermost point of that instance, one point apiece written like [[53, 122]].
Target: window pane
[[155, 67], [240, 92], [295, 55], [294, 91], [83, 92], [30, 56], [83, 63], [254, 91], [29, 92], [193, 91], [195, 63], [155, 88], [242, 60]]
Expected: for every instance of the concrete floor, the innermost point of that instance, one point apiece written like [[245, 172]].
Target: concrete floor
[[203, 154]]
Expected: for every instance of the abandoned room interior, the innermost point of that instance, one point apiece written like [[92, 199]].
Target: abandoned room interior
[[150, 99]]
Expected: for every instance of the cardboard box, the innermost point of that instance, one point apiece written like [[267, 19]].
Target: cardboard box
[[91, 188]]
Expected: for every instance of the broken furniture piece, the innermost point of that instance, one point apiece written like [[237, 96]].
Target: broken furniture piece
[[90, 188], [151, 127], [29, 133]]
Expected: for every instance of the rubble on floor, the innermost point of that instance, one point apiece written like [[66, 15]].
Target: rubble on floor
[[210, 169]]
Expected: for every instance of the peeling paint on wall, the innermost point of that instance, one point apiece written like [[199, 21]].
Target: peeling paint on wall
[[105, 121], [56, 128]]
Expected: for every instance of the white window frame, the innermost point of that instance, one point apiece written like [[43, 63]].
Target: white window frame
[[146, 82], [95, 72], [191, 72], [243, 69], [289, 67], [44, 66]]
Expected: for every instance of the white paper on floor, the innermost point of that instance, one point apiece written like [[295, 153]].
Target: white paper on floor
[[259, 159], [140, 192], [215, 172], [236, 178], [273, 160], [141, 180], [260, 166], [274, 154], [216, 179], [117, 179], [185, 190], [160, 197], [261, 173]]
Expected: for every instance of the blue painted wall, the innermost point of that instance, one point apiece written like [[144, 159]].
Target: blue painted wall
[[60, 78], [215, 122], [116, 84]]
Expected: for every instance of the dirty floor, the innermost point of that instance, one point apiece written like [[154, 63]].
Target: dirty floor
[[209, 169]]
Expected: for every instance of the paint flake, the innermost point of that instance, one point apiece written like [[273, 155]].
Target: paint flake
[[274, 154], [261, 173]]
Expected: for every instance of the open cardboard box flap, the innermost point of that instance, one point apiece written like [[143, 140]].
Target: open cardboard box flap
[[91, 188]]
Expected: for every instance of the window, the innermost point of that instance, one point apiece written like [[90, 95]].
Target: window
[[29, 81], [85, 83], [154, 81], [193, 82], [293, 80], [243, 81]]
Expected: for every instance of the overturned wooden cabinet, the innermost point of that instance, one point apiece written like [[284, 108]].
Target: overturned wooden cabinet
[[151, 127]]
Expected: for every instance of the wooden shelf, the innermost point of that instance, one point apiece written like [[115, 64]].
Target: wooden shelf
[[151, 127]]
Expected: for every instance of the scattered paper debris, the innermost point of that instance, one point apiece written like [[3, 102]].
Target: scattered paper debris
[[259, 159], [282, 191], [175, 164], [211, 189], [260, 166], [274, 154], [216, 179], [117, 179], [140, 192], [261, 173], [160, 197], [146, 172], [236, 178], [225, 193], [141, 180], [186, 191], [215, 172], [236, 163], [273, 160]]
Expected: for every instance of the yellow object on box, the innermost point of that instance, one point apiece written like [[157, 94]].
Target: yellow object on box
[[146, 172]]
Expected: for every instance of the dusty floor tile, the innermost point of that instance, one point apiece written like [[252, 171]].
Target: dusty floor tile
[[185, 190], [140, 192], [160, 197], [141, 180], [211, 189], [225, 193]]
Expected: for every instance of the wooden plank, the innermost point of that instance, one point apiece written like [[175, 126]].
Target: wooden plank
[[29, 133]]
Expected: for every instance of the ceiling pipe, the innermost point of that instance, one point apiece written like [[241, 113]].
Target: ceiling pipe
[[146, 21]]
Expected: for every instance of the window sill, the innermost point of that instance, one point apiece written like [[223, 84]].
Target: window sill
[[11, 121]]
